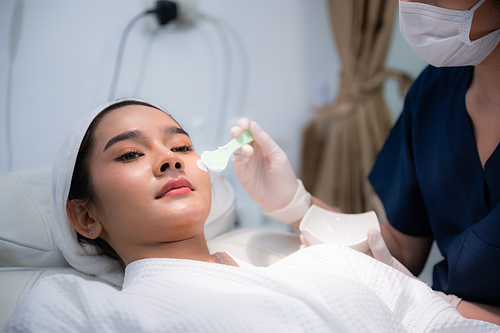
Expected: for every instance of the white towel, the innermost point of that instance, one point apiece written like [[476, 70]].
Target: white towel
[[324, 288]]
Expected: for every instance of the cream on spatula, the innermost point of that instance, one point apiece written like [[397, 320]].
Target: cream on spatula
[[217, 160]]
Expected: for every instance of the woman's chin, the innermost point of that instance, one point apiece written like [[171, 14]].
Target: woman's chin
[[187, 215]]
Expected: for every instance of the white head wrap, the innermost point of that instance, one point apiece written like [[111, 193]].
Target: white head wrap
[[85, 259]]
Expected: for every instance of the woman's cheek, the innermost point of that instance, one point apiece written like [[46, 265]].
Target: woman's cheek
[[117, 184], [204, 178]]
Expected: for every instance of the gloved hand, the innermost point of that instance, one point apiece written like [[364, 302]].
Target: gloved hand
[[303, 242], [380, 252], [263, 168], [452, 299]]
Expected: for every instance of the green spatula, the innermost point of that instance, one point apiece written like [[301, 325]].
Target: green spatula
[[217, 160]]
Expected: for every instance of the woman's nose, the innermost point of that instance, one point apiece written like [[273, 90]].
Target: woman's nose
[[166, 165], [168, 161]]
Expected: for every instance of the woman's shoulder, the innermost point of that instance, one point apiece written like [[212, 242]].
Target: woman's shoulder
[[59, 300], [68, 290], [61, 282]]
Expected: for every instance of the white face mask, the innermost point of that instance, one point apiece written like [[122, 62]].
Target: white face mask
[[441, 36]]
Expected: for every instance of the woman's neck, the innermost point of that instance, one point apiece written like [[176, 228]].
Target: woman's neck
[[194, 248], [483, 105], [485, 85]]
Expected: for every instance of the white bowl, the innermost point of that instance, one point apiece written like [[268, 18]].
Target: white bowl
[[321, 226]]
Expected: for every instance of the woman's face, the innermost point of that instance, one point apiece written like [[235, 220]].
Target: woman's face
[[486, 17], [149, 190]]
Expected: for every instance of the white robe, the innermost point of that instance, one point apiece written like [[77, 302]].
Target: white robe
[[324, 288]]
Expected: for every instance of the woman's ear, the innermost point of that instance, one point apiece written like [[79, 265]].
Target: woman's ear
[[82, 220]]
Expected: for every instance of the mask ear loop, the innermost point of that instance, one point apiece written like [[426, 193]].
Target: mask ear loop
[[467, 23], [476, 6]]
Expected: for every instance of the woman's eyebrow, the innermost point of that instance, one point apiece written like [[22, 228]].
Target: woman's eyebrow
[[169, 130], [124, 136]]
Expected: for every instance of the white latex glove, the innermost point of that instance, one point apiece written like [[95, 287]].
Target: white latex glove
[[303, 242], [263, 168], [381, 252], [452, 299]]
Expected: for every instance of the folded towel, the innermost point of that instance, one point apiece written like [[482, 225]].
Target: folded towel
[[83, 259]]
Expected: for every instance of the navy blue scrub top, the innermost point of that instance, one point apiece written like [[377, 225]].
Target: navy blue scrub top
[[430, 179]]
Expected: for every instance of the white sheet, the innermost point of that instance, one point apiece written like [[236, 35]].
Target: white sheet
[[324, 288]]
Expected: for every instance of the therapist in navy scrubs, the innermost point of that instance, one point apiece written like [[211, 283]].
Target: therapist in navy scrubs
[[438, 174]]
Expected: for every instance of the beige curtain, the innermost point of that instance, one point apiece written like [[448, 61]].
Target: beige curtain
[[341, 144]]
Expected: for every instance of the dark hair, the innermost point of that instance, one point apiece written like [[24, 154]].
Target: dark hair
[[81, 184], [496, 3]]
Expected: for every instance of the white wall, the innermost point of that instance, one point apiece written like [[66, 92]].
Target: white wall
[[66, 52]]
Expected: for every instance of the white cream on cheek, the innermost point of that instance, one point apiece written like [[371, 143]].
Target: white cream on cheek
[[202, 166]]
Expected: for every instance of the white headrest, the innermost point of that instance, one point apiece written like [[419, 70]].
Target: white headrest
[[25, 231]]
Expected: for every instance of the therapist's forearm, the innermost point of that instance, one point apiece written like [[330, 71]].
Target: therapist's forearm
[[472, 310], [411, 251]]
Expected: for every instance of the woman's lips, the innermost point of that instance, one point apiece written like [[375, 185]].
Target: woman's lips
[[175, 187]]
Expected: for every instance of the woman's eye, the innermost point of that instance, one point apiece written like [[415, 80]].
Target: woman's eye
[[182, 149], [129, 156]]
